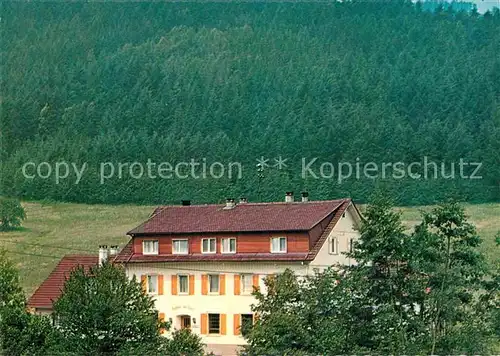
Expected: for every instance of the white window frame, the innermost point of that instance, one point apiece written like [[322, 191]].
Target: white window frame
[[148, 277], [209, 239], [210, 283], [154, 251], [228, 239], [279, 244], [180, 253], [243, 277], [333, 248], [179, 284]]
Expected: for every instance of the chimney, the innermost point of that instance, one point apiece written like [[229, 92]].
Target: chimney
[[305, 197], [289, 197], [186, 202], [113, 250], [229, 204], [243, 200], [103, 254]]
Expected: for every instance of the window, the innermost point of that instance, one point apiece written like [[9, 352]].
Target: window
[[246, 323], [183, 281], [246, 283], [213, 280], [152, 284], [150, 247], [228, 245], [351, 244], [207, 245], [180, 246], [334, 246], [214, 323], [278, 244]]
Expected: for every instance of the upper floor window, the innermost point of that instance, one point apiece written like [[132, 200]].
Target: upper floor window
[[208, 245], [334, 246], [278, 244], [180, 246], [228, 245], [183, 280], [213, 281], [150, 247], [246, 283], [152, 284]]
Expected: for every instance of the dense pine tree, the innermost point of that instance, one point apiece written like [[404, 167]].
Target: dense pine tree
[[124, 82]]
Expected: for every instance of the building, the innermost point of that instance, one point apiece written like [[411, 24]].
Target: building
[[201, 262], [50, 290]]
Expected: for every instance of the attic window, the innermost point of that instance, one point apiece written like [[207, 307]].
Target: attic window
[[150, 247], [334, 246], [278, 244], [343, 214]]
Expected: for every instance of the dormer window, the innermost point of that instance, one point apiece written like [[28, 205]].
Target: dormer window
[[208, 245], [150, 247], [228, 245], [278, 245], [180, 247]]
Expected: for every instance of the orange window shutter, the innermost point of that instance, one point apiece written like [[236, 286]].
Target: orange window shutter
[[237, 284], [204, 284], [223, 324], [222, 282], [144, 283], [162, 319], [174, 284], [236, 324], [160, 284], [191, 284], [204, 324], [255, 281]]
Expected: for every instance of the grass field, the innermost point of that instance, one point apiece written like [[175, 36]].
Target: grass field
[[55, 229]]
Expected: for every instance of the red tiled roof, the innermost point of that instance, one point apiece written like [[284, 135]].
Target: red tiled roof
[[51, 288], [247, 217], [325, 209]]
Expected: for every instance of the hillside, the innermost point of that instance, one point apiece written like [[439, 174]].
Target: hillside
[[55, 229], [112, 82]]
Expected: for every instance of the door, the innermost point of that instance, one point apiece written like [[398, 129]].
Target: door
[[185, 322]]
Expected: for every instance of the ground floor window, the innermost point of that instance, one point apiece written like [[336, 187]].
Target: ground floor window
[[214, 323], [246, 323]]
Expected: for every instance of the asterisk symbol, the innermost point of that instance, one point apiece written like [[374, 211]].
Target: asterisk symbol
[[262, 162], [280, 162]]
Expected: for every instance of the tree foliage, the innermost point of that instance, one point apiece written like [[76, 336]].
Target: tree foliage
[[21, 333], [101, 311], [428, 291], [11, 213], [382, 82]]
